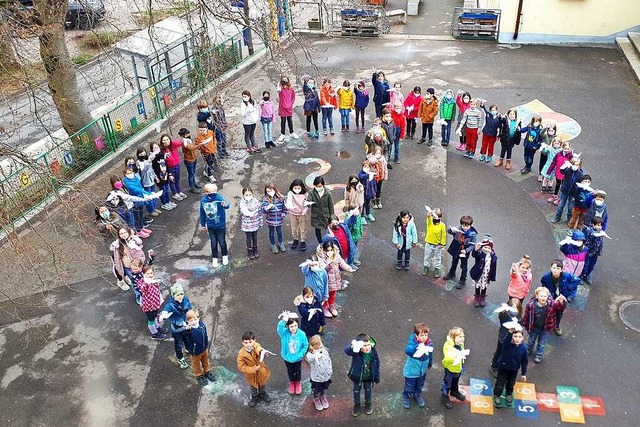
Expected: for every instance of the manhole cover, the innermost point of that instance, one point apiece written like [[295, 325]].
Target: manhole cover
[[630, 314]]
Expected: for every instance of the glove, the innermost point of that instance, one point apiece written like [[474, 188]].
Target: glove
[[356, 345]]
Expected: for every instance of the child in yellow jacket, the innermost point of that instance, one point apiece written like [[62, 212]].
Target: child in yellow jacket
[[435, 240], [346, 103], [453, 362]]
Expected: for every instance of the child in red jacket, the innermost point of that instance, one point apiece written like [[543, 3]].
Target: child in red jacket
[[540, 318]]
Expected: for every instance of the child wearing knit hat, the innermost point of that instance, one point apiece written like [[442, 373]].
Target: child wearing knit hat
[[176, 310], [484, 270]]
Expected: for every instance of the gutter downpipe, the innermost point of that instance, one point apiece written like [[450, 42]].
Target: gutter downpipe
[[516, 29]]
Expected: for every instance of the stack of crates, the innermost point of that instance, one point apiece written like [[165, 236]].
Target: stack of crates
[[359, 22], [475, 23]]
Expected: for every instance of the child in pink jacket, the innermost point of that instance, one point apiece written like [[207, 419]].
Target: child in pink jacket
[[334, 265], [286, 100], [520, 279]]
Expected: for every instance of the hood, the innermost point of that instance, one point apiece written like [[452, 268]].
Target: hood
[[578, 235]]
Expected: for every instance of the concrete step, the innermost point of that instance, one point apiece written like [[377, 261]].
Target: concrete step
[[635, 41], [624, 43]]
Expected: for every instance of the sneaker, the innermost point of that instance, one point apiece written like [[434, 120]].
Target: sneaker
[[281, 138], [556, 201], [318, 403], [430, 143], [420, 401], [497, 401], [509, 399], [257, 150], [461, 397], [294, 244], [177, 197], [558, 331], [397, 162], [551, 199], [173, 205], [406, 403], [214, 262], [123, 285], [446, 402], [471, 155], [357, 410], [303, 246], [425, 270], [324, 132], [198, 186], [294, 135], [449, 276], [371, 218], [159, 337], [142, 234], [274, 249], [250, 151], [538, 359], [357, 263], [183, 363], [254, 401], [422, 140], [367, 408], [158, 211], [264, 396], [202, 381], [482, 157], [436, 273], [327, 313], [167, 207], [460, 147], [344, 285], [539, 178], [154, 213], [195, 191], [488, 159], [333, 310], [399, 265], [325, 402], [283, 247], [225, 259], [461, 284], [586, 279], [331, 131]]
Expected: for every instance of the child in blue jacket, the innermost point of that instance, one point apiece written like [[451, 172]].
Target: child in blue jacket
[[532, 141], [594, 242], [213, 218], [316, 277], [364, 371], [460, 249], [514, 357], [405, 237], [484, 270], [362, 101], [419, 351], [197, 344], [293, 346], [560, 283], [176, 310]]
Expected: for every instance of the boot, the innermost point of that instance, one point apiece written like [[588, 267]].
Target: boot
[[291, 389], [256, 255], [342, 128], [461, 284], [458, 395], [303, 246], [446, 401], [498, 163], [406, 264], [483, 297], [254, 400], [346, 129], [250, 253], [399, 265], [294, 245], [507, 165], [476, 298], [298, 387], [264, 396]]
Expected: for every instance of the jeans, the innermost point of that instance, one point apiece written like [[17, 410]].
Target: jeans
[[463, 267], [496, 355], [396, 146], [175, 184], [152, 204], [507, 378], [275, 229], [357, 386], [318, 235], [138, 215], [191, 173], [450, 382], [589, 265], [432, 255], [404, 251], [541, 336], [266, 130], [413, 386], [446, 131], [251, 239], [344, 116], [164, 199], [249, 137], [529, 153], [505, 150], [286, 120], [565, 199], [178, 343], [127, 217], [359, 114], [294, 370], [327, 116], [211, 166], [221, 137], [427, 128], [367, 205], [218, 236]]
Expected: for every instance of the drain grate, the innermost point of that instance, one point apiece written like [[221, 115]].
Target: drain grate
[[629, 313]]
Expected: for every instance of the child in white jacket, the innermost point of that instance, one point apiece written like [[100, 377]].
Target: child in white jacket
[[250, 113], [321, 371]]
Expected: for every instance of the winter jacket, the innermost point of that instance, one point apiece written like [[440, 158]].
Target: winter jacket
[[311, 326], [251, 212], [370, 143], [436, 234], [346, 99], [411, 237], [596, 211], [320, 364], [134, 185], [150, 295], [212, 212], [357, 363], [318, 281], [506, 138], [357, 227], [528, 320], [593, 243], [412, 105], [255, 371], [491, 123], [462, 106], [362, 98], [400, 121], [196, 339], [286, 101], [328, 97], [333, 267], [295, 203], [381, 94], [219, 119], [190, 152], [205, 116], [504, 317], [353, 249], [428, 110], [178, 311], [322, 208], [249, 113], [395, 96], [416, 367], [478, 267], [462, 240], [558, 160], [447, 108], [311, 98], [567, 285], [472, 117], [390, 130], [574, 258], [513, 357], [274, 216], [519, 285], [582, 199], [379, 167], [292, 347], [449, 350], [369, 184], [114, 221], [571, 177], [132, 251], [207, 143], [353, 198], [267, 113], [533, 137], [551, 155], [145, 172], [171, 154]]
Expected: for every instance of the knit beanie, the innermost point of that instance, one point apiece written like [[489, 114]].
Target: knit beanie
[[177, 289], [487, 241]]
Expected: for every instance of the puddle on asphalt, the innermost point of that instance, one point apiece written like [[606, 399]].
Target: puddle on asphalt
[[343, 154]]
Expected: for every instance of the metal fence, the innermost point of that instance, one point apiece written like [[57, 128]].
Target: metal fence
[[29, 185]]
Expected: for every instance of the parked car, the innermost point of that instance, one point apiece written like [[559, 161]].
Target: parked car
[[82, 14]]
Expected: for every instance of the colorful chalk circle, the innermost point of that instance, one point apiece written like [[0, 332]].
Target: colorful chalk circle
[[568, 128]]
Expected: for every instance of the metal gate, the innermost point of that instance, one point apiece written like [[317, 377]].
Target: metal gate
[[307, 16]]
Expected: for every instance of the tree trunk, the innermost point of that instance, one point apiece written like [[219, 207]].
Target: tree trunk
[[61, 72], [247, 24], [7, 54]]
